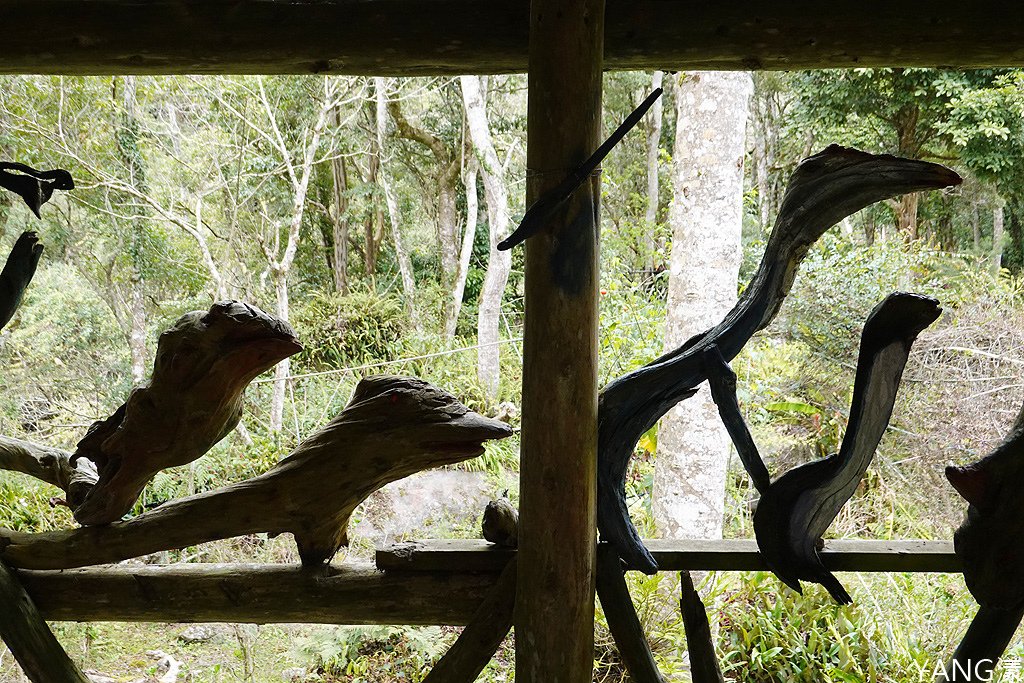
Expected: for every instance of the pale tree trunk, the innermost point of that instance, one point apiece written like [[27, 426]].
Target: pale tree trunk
[[997, 234], [499, 263], [299, 172], [339, 178], [468, 237], [706, 219], [654, 118], [404, 262], [132, 157]]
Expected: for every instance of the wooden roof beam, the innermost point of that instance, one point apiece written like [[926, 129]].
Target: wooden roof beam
[[438, 37]]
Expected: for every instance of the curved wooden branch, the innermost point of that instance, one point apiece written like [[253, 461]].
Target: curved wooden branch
[[800, 505], [623, 621], [990, 541], [193, 400], [699, 645], [51, 465], [29, 638], [824, 189], [392, 427], [35, 187], [984, 643], [723, 392], [17, 273]]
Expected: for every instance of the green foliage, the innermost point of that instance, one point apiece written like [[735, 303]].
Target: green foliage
[[374, 654], [344, 331]]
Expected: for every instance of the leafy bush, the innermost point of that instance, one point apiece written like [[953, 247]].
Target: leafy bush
[[340, 331], [371, 654]]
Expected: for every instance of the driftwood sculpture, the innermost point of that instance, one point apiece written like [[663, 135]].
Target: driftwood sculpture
[[699, 644], [799, 506], [392, 427], [17, 273], [500, 524], [824, 189], [35, 187], [193, 400], [989, 541]]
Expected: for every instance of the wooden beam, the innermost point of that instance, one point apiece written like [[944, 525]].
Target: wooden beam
[[554, 616], [259, 594], [687, 554], [436, 37]]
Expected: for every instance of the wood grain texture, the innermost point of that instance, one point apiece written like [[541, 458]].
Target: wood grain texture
[[555, 598], [687, 554], [258, 594], [622, 619], [424, 37]]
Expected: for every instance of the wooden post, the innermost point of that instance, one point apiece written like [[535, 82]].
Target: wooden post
[[555, 599]]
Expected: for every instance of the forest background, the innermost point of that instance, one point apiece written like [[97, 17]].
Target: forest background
[[366, 211]]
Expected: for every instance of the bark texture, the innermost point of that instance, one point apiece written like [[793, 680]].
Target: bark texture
[[706, 216], [499, 263]]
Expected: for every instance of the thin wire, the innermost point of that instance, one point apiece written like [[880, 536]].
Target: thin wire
[[389, 362]]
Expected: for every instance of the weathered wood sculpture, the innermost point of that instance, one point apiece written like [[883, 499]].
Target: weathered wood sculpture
[[392, 427], [500, 524], [824, 189], [192, 401], [699, 645], [799, 506], [35, 187], [17, 273], [990, 541], [51, 465]]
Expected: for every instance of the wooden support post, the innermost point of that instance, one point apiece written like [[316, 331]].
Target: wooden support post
[[29, 638], [555, 601]]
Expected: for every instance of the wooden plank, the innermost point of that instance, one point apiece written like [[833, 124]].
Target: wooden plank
[[554, 615], [678, 555], [259, 594], [436, 37]]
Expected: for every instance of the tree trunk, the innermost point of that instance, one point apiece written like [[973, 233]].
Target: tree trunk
[[906, 216], [401, 255], [131, 156], [468, 238], [654, 118], [339, 177], [706, 217], [975, 226], [283, 369], [499, 263], [997, 235]]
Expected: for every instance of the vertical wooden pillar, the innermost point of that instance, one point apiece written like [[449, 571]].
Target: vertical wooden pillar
[[555, 596]]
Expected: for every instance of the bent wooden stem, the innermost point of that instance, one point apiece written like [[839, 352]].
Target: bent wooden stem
[[17, 273], [824, 189], [699, 645], [799, 506], [623, 621], [51, 465], [482, 637], [392, 427], [29, 638]]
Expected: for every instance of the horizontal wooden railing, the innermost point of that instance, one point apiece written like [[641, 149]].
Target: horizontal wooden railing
[[421, 582]]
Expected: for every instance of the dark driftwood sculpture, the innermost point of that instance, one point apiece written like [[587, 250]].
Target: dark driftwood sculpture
[[193, 400], [623, 622], [17, 273], [29, 638], [799, 506], [699, 645], [35, 187], [540, 211], [824, 189], [392, 427], [989, 541]]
